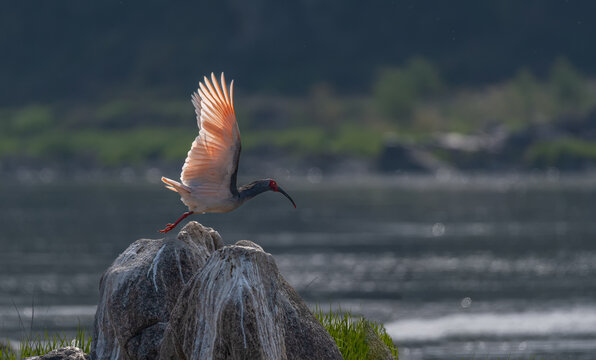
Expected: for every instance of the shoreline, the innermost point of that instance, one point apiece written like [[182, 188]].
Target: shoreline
[[305, 177]]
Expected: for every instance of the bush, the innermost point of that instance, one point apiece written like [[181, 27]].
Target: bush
[[397, 90], [32, 119], [525, 92], [568, 86]]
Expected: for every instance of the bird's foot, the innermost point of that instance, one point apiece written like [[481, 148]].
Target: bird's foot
[[167, 228], [171, 226]]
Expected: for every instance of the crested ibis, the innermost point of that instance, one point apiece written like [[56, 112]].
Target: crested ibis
[[208, 178]]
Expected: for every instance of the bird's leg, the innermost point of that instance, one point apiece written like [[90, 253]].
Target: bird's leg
[[171, 226]]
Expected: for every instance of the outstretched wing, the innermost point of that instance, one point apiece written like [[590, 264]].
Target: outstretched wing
[[212, 161]]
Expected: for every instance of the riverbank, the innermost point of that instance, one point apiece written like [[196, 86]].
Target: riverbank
[[520, 124], [349, 333]]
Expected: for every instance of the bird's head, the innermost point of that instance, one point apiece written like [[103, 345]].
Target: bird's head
[[260, 186], [274, 187]]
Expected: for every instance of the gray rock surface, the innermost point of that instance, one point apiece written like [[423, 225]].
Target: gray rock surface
[[191, 298], [65, 353], [377, 349], [248, 243], [240, 307], [138, 291]]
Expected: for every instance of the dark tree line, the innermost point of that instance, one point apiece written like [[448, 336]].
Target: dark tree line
[[53, 50]]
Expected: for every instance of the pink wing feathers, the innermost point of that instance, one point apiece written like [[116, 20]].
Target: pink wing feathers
[[212, 161]]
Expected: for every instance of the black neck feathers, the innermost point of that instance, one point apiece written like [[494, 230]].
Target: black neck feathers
[[253, 189]]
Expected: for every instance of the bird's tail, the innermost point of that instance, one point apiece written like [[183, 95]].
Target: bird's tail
[[175, 186]]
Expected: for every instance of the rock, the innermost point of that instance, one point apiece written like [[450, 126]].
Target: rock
[[65, 353], [191, 298], [139, 290], [240, 307], [401, 157], [201, 235], [398, 157], [377, 349], [249, 243]]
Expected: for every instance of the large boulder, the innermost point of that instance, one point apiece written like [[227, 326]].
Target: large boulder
[[240, 307], [138, 291], [192, 298]]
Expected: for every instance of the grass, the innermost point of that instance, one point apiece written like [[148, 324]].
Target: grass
[[43, 344], [353, 336], [568, 151]]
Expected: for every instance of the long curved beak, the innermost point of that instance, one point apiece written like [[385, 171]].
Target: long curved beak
[[286, 195]]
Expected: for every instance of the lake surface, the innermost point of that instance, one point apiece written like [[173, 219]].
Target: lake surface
[[455, 268]]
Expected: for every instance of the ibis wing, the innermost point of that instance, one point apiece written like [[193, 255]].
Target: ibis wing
[[212, 161]]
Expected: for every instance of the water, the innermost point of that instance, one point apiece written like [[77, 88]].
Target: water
[[456, 268]]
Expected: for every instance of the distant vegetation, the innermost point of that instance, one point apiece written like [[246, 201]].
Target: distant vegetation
[[410, 103]]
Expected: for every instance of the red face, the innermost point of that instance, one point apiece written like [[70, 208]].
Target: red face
[[273, 185]]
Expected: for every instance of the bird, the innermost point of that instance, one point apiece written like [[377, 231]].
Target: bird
[[208, 179]]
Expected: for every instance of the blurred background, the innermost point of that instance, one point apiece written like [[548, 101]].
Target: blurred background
[[441, 154]]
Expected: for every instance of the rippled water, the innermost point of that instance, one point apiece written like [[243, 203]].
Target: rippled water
[[455, 268]]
